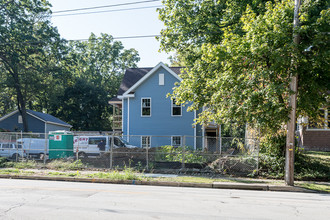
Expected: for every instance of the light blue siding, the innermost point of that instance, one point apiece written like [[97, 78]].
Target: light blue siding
[[161, 122]]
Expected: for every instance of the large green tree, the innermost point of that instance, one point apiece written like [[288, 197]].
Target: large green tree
[[239, 56], [97, 67], [29, 50]]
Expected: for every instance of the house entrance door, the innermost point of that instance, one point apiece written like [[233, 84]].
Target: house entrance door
[[212, 140]]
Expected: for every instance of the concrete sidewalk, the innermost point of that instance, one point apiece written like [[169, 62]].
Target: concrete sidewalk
[[215, 185]]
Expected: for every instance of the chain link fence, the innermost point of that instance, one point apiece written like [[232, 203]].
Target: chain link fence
[[238, 156]]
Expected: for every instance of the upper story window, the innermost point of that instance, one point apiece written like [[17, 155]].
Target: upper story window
[[176, 109], [321, 121], [146, 106]]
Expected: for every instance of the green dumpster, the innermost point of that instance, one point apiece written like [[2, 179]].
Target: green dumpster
[[60, 144]]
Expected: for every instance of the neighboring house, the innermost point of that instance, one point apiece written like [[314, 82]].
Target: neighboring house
[[315, 136], [38, 122], [149, 117]]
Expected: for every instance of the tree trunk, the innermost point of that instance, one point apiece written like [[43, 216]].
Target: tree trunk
[[20, 102], [22, 109]]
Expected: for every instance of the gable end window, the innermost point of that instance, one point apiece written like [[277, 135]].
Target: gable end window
[[20, 120], [176, 109], [146, 106], [161, 79]]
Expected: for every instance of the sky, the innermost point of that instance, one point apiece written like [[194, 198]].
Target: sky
[[139, 22]]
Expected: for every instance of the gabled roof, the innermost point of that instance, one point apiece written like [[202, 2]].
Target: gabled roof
[[132, 75], [41, 116], [135, 76], [48, 118]]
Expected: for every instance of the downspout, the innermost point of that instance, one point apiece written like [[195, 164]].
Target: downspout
[[122, 116], [128, 119], [46, 140], [195, 131]]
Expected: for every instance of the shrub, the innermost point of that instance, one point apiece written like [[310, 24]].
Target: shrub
[[3, 162], [272, 153], [175, 154]]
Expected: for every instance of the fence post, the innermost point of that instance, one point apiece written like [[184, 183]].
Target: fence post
[[21, 145], [16, 148], [220, 140], [147, 153], [183, 145], [45, 151], [77, 149], [111, 149], [258, 156]]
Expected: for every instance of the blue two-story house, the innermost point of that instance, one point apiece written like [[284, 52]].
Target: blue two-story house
[[149, 117]]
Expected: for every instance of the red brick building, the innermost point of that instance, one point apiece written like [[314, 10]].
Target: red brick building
[[316, 136]]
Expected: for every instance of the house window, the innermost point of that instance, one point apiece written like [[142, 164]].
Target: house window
[[161, 79], [146, 106], [20, 120], [176, 109], [176, 141], [321, 120], [145, 142]]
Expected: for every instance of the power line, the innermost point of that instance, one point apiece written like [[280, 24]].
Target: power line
[[125, 37], [96, 12], [105, 6], [114, 38]]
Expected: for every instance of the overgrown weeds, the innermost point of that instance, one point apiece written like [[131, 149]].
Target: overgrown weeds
[[127, 174], [175, 154], [30, 164], [66, 165]]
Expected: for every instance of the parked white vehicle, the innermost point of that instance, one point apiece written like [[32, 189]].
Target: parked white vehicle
[[34, 147], [11, 150], [96, 145]]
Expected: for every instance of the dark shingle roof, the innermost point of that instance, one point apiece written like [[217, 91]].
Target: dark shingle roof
[[48, 118], [132, 75]]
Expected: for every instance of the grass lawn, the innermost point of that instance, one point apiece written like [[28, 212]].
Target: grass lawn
[[321, 187], [313, 166], [319, 154]]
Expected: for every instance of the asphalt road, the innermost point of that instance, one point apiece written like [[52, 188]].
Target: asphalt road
[[31, 199]]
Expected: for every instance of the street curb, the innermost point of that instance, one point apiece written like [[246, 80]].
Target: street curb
[[215, 185], [245, 186]]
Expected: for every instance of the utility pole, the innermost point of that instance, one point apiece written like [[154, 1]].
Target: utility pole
[[291, 127]]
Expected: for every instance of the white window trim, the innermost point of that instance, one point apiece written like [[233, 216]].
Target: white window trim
[[172, 100], [161, 79], [142, 107], [142, 141], [180, 140], [326, 123]]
